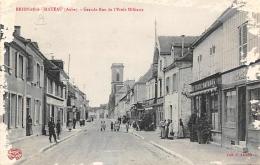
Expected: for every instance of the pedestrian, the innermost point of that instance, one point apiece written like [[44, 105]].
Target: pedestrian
[[112, 125], [181, 129], [163, 129], [58, 129], [127, 126], [101, 126], [70, 124], [167, 128], [74, 123], [51, 126], [29, 126], [171, 130], [104, 125]]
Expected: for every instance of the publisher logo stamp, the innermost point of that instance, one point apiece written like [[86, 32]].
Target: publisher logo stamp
[[14, 153]]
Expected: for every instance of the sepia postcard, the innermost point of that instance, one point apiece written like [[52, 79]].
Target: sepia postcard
[[130, 82]]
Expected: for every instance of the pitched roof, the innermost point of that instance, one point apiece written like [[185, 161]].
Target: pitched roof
[[147, 76], [165, 42], [229, 12]]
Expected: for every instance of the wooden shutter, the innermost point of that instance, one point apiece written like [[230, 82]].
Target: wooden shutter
[[41, 76]]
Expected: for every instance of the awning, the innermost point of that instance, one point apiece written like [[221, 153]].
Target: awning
[[209, 90]]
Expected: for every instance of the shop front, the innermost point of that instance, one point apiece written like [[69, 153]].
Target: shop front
[[206, 104], [234, 111], [253, 108]]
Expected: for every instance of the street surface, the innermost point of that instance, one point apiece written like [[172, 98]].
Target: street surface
[[93, 147]]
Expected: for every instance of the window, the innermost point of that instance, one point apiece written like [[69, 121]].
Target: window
[[37, 112], [117, 76], [160, 64], [20, 71], [214, 111], [13, 111], [167, 85], [243, 43], [199, 58], [56, 89], [7, 59], [174, 83], [15, 64], [212, 50], [254, 96], [38, 74], [20, 111], [230, 106], [160, 88]]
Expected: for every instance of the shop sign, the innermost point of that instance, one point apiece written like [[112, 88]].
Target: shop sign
[[235, 76], [205, 84]]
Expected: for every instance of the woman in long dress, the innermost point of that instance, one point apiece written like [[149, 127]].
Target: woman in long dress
[[181, 129]]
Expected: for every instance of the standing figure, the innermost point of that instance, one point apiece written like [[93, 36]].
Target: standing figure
[[171, 130], [167, 128], [163, 126], [29, 126], [127, 126], [181, 130], [104, 125], [101, 126], [51, 126], [74, 123], [58, 129], [70, 124], [112, 125]]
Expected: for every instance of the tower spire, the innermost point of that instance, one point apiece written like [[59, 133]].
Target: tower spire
[[155, 29]]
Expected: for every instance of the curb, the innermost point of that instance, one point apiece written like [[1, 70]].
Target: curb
[[21, 161], [136, 134], [186, 160], [61, 141]]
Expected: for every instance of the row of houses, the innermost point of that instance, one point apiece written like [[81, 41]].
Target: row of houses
[[215, 74], [36, 88]]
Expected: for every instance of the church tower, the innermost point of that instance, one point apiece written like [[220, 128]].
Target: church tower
[[117, 70]]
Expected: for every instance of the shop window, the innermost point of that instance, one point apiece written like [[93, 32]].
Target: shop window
[[230, 106], [255, 105], [214, 111]]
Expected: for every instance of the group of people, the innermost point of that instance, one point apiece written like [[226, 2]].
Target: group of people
[[52, 126], [115, 126], [103, 126], [72, 124], [167, 129]]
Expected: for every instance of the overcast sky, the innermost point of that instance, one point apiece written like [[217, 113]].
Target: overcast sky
[[95, 40]]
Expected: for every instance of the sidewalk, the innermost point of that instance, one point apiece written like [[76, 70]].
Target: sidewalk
[[198, 154], [36, 144]]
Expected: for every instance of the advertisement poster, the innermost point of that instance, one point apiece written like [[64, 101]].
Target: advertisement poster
[[129, 82]]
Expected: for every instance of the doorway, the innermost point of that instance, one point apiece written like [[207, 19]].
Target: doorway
[[242, 113]]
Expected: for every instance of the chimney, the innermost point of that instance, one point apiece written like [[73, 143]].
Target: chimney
[[17, 30], [182, 45], [52, 57]]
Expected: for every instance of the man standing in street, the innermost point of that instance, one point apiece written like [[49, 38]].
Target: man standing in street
[[51, 126], [74, 123], [58, 129]]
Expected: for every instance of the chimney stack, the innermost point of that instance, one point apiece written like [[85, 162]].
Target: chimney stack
[[182, 45], [52, 57], [17, 30]]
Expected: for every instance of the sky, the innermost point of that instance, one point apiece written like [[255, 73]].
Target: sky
[[95, 40]]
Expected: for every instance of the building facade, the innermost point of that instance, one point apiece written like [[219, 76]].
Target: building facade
[[221, 85], [24, 72]]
